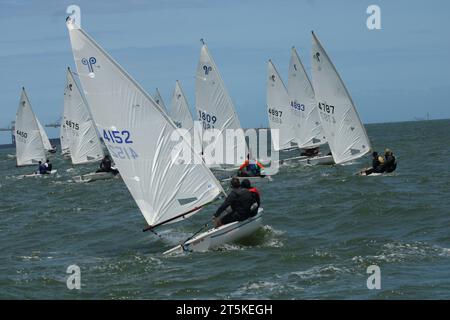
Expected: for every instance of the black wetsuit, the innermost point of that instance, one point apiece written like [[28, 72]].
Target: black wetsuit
[[240, 200], [390, 164], [377, 167]]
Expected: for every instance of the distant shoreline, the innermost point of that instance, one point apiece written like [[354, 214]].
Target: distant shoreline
[[55, 141]]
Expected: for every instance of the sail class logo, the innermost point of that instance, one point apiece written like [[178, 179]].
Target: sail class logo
[[89, 63], [316, 56], [207, 69]]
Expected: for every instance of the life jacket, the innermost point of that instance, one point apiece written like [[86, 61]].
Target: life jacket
[[254, 190]]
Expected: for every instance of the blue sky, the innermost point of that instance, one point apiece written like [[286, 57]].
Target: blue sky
[[394, 74]]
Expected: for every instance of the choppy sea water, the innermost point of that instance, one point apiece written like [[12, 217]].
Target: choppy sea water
[[323, 227]]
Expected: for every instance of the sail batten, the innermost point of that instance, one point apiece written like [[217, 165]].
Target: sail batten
[[138, 135], [341, 123]]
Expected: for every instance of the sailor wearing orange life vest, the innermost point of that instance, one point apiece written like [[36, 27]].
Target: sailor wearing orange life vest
[[250, 168]]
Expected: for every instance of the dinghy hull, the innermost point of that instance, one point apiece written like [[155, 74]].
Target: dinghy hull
[[216, 237], [311, 161], [253, 180], [95, 176], [38, 174]]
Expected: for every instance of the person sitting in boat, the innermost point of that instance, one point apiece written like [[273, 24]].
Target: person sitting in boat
[[106, 165], [48, 166], [250, 168], [312, 152], [41, 169], [377, 164], [236, 207], [390, 163], [255, 193]]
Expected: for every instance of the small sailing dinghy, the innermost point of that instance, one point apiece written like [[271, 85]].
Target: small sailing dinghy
[[278, 109], [138, 134], [83, 143], [29, 142], [341, 124], [30, 147], [308, 129], [215, 108]]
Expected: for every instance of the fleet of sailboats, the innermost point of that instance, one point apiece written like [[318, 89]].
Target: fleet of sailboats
[[165, 188], [137, 130]]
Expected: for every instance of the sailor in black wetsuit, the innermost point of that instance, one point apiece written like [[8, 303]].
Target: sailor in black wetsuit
[[390, 163], [312, 152], [377, 164], [106, 165], [236, 207], [48, 166]]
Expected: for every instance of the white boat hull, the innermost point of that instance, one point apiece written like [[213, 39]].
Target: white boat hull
[[38, 174], [311, 161], [319, 160], [253, 180], [95, 176], [216, 237]]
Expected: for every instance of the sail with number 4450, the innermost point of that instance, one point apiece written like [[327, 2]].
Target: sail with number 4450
[[29, 144], [139, 136]]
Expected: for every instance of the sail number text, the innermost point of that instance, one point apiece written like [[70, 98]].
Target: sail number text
[[207, 120], [115, 137], [275, 112], [21, 134], [326, 108], [72, 125], [297, 106]]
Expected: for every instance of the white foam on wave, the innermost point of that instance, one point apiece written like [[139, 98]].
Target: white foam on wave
[[320, 272], [401, 252]]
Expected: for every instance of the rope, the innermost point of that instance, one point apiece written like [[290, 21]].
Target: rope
[[193, 235]]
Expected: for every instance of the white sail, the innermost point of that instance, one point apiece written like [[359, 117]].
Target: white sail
[[45, 140], [159, 100], [345, 133], [179, 111], [137, 133], [214, 107], [279, 110], [308, 129], [63, 138], [83, 141], [181, 116], [29, 146]]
